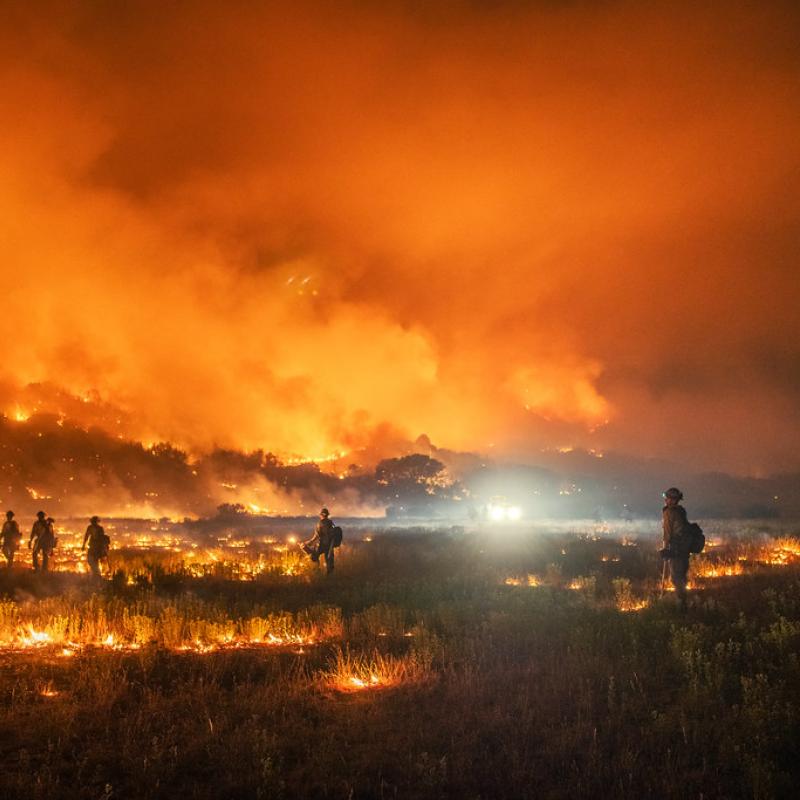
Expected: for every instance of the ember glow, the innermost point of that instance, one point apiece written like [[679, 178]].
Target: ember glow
[[327, 229], [528, 580]]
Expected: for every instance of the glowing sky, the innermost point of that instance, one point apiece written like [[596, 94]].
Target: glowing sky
[[508, 226]]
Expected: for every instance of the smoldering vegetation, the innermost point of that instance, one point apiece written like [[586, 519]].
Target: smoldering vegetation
[[493, 662]]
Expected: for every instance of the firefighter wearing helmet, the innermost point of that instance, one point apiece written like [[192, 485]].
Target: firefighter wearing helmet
[[98, 545], [11, 537], [42, 541], [676, 542], [323, 542]]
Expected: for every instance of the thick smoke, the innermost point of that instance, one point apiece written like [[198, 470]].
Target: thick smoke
[[311, 228]]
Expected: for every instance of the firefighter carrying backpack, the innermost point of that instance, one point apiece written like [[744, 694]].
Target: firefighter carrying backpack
[[337, 536], [697, 539]]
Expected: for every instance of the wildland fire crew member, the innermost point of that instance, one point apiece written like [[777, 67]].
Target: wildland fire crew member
[[676, 541], [98, 545], [11, 537], [42, 541], [322, 542]]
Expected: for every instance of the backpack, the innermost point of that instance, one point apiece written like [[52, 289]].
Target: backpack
[[48, 539], [697, 539], [337, 536]]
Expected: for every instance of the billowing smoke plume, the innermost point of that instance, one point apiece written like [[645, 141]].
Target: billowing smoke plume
[[306, 228]]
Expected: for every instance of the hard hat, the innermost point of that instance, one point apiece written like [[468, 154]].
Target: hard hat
[[95, 519], [325, 512], [41, 514], [9, 514], [673, 494]]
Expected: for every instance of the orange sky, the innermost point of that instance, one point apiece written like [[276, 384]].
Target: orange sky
[[509, 226]]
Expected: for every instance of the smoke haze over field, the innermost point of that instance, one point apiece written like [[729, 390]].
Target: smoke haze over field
[[47, 462], [318, 227]]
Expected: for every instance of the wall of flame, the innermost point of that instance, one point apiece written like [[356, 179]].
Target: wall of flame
[[504, 226]]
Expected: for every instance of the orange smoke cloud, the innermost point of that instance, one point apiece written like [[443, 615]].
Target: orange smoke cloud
[[500, 226]]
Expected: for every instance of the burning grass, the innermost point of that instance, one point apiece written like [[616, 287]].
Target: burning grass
[[432, 665], [624, 598], [169, 549], [707, 568], [358, 672], [184, 624], [527, 580], [781, 552]]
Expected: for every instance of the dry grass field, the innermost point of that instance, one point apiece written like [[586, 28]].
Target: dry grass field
[[496, 662]]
